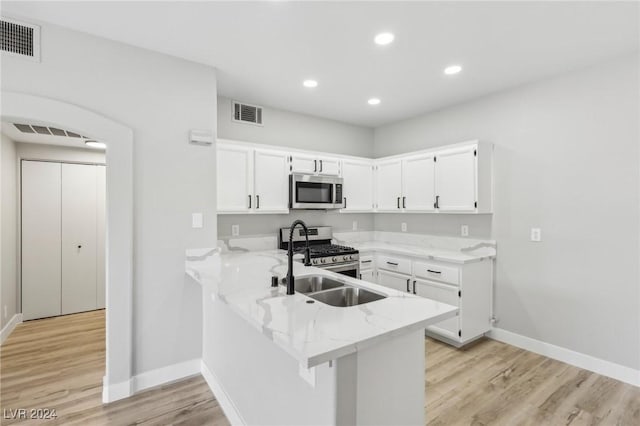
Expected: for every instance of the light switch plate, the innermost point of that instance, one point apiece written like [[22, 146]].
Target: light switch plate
[[464, 230], [403, 227], [536, 234], [196, 220], [235, 230]]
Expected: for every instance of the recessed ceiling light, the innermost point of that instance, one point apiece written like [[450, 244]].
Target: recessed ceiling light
[[384, 38], [452, 69], [373, 101], [310, 83], [95, 144]]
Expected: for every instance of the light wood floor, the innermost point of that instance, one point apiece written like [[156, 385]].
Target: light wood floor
[[59, 363]]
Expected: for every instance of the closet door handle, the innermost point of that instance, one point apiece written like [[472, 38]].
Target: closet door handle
[[257, 201], [404, 202], [249, 201], [315, 166], [414, 287], [398, 202], [408, 279]]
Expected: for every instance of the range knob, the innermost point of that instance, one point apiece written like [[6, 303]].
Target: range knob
[[351, 257], [314, 261], [323, 260], [334, 258], [345, 257]]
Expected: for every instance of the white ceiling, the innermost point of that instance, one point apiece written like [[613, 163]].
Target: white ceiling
[[264, 50]]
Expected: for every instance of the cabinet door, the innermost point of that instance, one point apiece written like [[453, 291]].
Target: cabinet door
[[79, 243], [442, 293], [367, 275], [456, 179], [235, 178], [328, 166], [398, 282], [41, 235], [357, 188], [304, 164], [389, 185], [418, 183], [271, 181]]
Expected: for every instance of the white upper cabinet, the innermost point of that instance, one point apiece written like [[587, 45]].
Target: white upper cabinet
[[456, 179], [357, 187], [315, 165], [418, 183], [235, 178], [271, 181], [389, 185]]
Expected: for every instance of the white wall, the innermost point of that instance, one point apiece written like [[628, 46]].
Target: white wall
[[8, 231], [566, 160], [34, 151], [290, 129], [161, 98]]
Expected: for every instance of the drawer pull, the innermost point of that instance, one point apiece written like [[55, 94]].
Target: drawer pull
[[365, 261], [434, 272], [414, 287], [392, 263]]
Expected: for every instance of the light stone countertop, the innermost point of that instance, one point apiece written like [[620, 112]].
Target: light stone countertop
[[312, 333]]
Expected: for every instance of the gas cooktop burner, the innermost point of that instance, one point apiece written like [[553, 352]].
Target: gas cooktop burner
[[330, 249]]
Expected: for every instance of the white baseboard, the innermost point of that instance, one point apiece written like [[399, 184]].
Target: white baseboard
[[6, 331], [116, 391], [577, 359], [149, 379], [166, 374], [228, 407]]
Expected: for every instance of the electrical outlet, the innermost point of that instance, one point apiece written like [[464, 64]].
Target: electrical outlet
[[403, 227], [536, 234], [355, 225], [196, 220], [464, 230], [235, 230]]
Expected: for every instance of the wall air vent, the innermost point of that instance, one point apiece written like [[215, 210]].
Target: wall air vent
[[20, 39], [245, 113], [43, 130]]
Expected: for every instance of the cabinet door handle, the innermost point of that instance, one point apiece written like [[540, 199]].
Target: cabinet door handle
[[249, 201], [257, 201], [404, 202], [437, 204], [315, 165], [414, 287], [392, 263], [321, 165], [398, 202], [345, 202], [360, 276], [434, 272], [408, 279]]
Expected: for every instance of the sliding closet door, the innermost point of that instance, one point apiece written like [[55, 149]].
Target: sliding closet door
[[101, 191], [41, 236], [79, 243]]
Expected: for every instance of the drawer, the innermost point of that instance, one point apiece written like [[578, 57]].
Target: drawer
[[447, 274], [393, 263], [366, 262]]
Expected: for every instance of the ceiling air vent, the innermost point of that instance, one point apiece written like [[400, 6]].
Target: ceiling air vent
[[20, 39], [245, 113]]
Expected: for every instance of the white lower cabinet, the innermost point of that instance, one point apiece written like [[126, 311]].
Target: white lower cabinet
[[467, 286], [400, 282], [367, 275]]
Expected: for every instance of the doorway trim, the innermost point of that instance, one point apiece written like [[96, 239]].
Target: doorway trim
[[16, 107]]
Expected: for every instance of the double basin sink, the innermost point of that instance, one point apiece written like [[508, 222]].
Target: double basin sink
[[334, 292]]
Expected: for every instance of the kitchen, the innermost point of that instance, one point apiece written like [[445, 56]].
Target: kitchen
[[545, 143]]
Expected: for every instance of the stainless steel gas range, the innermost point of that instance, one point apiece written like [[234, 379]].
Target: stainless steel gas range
[[324, 254]]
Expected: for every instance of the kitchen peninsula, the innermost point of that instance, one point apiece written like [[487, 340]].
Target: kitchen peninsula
[[271, 358]]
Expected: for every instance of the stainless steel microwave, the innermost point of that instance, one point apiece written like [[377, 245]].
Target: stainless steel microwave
[[315, 192]]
